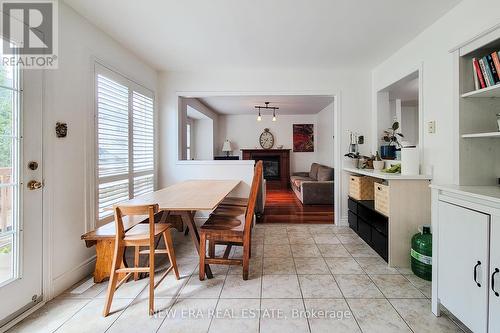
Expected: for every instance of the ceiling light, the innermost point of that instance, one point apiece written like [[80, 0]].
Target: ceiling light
[[266, 107]]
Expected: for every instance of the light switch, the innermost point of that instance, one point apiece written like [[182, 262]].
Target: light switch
[[431, 127]]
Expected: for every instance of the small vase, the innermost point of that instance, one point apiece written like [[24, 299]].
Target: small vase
[[378, 165]]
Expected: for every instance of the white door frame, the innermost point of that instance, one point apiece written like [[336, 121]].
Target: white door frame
[[337, 130]]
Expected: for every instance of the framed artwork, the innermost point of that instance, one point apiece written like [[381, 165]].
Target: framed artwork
[[303, 137]]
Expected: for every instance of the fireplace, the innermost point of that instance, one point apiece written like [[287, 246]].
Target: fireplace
[[271, 166], [276, 163]]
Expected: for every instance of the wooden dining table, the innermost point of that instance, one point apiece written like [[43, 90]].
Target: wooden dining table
[[185, 199]]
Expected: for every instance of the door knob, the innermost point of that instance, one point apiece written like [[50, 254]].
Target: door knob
[[34, 185]]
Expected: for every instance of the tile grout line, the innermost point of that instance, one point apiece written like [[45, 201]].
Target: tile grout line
[[175, 298], [298, 282], [218, 298], [385, 297], [341, 292], [261, 281], [70, 317]]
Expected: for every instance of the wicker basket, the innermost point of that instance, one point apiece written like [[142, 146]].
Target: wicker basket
[[382, 201], [361, 187]]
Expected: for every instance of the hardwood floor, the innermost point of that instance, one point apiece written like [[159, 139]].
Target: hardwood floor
[[282, 206]]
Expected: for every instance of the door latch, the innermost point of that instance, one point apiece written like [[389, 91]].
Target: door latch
[[34, 185]]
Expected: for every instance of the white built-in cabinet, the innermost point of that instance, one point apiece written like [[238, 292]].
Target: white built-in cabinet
[[494, 290], [466, 249]]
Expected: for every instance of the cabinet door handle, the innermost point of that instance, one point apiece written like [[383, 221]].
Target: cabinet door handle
[[493, 282], [475, 273]]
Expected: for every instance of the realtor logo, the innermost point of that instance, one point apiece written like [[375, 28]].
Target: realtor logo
[[29, 33]]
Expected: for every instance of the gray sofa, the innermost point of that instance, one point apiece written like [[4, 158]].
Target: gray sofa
[[314, 187]]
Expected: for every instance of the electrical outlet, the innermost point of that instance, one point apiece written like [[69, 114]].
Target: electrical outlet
[[431, 127]]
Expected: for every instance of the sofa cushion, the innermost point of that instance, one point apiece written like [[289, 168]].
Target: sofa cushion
[[324, 173], [297, 180], [313, 173]]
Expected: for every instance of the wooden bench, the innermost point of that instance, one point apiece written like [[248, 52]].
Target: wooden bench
[[104, 240]]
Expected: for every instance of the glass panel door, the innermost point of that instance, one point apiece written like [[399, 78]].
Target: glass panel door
[[9, 173], [21, 192]]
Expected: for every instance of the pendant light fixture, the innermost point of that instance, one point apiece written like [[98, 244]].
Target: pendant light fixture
[[267, 107]]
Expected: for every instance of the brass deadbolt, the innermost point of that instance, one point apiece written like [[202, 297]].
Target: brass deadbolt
[[32, 165]]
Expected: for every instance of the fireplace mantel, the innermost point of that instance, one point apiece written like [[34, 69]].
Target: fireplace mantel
[[284, 156]]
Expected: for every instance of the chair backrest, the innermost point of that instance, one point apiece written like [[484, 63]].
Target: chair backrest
[[252, 199], [120, 211]]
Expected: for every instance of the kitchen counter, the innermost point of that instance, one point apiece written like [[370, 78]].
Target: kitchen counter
[[489, 193], [385, 175]]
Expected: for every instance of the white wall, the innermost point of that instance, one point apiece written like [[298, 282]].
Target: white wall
[[324, 141], [431, 48], [210, 129], [244, 131], [203, 142], [68, 165], [351, 84], [409, 124]]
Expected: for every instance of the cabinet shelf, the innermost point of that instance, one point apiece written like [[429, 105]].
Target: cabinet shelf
[[481, 135], [491, 92]]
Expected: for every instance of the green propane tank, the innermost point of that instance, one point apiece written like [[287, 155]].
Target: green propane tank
[[421, 253]]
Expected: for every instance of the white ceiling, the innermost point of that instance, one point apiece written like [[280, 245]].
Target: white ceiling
[[216, 34], [287, 104]]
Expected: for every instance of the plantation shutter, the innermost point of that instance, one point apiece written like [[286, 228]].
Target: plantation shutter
[[112, 143], [125, 141], [143, 143]]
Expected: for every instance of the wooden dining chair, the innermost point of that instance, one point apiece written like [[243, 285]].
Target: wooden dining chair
[[228, 229], [139, 235]]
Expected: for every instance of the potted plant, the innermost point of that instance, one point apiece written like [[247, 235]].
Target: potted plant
[[352, 160], [390, 137], [378, 164]]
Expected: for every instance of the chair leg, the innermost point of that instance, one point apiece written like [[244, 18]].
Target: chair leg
[[136, 261], [203, 249], [246, 260], [151, 281], [113, 279], [171, 253], [211, 249]]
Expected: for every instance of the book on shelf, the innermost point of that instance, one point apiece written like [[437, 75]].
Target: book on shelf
[[491, 67], [496, 61], [478, 77], [483, 65], [486, 70]]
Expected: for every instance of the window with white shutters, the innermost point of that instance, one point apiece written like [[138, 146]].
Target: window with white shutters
[[125, 161]]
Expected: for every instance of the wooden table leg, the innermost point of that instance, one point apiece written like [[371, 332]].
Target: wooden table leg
[[188, 218], [104, 259]]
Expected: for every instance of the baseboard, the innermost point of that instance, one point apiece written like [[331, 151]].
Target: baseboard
[[343, 221], [67, 279]]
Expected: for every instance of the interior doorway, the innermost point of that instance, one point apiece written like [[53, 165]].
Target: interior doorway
[[238, 125]]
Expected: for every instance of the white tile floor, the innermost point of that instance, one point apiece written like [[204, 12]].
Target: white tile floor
[[304, 278]]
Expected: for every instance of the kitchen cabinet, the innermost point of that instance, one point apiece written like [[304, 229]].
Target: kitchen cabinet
[[466, 254]]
